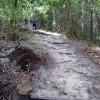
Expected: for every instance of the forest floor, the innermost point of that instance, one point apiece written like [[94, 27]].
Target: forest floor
[[71, 71]]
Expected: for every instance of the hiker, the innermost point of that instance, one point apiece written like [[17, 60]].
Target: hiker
[[33, 22]]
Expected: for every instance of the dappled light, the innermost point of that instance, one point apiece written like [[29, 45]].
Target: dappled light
[[96, 48], [48, 33]]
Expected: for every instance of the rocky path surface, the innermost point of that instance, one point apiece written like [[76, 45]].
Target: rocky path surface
[[67, 74]]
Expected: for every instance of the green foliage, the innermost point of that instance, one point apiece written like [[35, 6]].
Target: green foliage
[[71, 16]]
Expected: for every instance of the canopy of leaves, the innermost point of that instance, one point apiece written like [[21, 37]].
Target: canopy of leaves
[[71, 16]]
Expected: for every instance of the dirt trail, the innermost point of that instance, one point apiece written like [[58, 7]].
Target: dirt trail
[[68, 74]]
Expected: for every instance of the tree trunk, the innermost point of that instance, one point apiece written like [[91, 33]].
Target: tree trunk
[[91, 26], [54, 19], [98, 21], [82, 10], [13, 18]]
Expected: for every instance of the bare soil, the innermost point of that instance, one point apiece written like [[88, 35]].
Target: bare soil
[[68, 73]]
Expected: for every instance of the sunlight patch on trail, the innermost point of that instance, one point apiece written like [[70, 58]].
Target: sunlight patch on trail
[[47, 33], [96, 48]]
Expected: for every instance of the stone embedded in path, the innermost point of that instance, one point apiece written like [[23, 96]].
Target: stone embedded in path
[[24, 87]]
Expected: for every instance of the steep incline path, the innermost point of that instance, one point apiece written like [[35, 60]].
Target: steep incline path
[[68, 73]]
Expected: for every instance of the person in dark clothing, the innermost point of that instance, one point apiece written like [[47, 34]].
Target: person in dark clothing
[[33, 22], [26, 21]]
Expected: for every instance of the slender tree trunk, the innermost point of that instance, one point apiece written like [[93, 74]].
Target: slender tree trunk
[[91, 26], [98, 20], [82, 10], [15, 3], [54, 19], [14, 8]]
